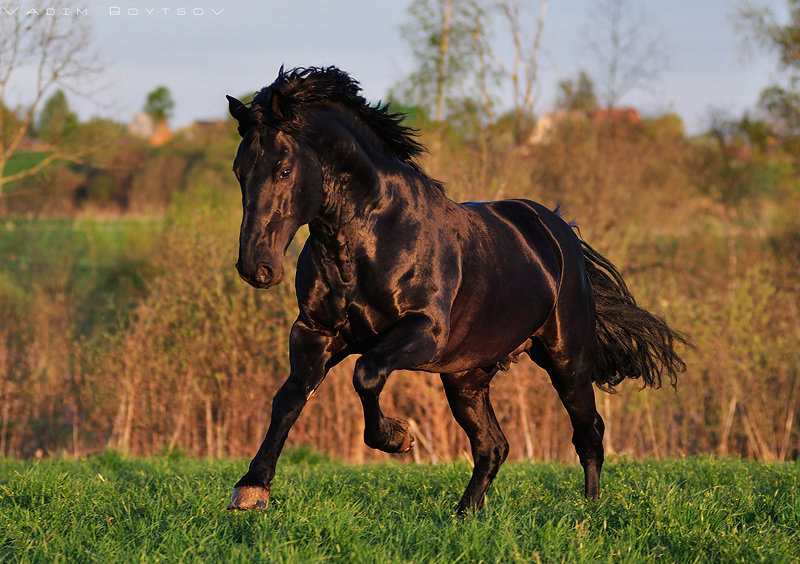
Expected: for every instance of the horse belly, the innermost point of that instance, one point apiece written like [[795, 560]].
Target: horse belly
[[489, 328]]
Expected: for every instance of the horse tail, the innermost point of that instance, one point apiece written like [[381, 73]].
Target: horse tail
[[633, 343]]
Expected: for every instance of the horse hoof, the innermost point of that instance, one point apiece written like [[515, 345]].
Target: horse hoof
[[249, 497], [408, 443], [400, 430], [396, 437]]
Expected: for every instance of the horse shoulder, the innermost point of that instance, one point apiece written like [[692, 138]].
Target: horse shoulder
[[320, 290]]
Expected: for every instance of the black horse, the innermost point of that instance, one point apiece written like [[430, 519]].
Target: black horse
[[395, 271]]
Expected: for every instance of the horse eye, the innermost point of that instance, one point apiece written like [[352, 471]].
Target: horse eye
[[285, 173]]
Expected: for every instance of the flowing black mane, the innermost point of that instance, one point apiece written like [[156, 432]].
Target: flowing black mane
[[280, 106]]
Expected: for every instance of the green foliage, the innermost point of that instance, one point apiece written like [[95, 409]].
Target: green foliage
[[782, 106], [758, 23], [159, 104], [55, 118], [667, 129], [173, 509], [98, 135], [11, 121], [21, 161], [577, 94], [446, 66], [780, 103], [101, 264]]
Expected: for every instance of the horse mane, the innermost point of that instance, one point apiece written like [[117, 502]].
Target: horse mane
[[280, 106]]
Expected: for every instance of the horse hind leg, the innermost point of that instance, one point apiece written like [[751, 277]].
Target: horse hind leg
[[587, 427], [570, 369], [468, 395]]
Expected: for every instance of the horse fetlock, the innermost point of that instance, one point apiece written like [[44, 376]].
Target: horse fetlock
[[249, 497], [469, 504]]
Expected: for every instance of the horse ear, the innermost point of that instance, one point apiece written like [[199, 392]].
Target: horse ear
[[237, 109], [281, 108]]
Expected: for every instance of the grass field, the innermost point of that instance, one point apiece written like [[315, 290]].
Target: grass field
[[101, 265], [110, 508], [23, 161]]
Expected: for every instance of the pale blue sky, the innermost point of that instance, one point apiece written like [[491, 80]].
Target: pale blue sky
[[200, 58]]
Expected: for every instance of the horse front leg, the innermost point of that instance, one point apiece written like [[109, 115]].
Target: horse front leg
[[311, 355], [410, 343], [468, 396]]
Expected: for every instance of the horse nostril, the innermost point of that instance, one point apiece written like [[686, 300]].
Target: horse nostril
[[263, 275]]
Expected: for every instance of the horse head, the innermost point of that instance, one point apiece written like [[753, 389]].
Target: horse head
[[281, 181]]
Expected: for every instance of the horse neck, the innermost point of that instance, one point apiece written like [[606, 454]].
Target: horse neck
[[357, 211], [365, 188]]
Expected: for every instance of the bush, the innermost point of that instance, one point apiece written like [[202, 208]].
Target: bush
[[166, 348]]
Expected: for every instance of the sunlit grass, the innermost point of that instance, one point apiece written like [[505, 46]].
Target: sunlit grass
[[115, 509]]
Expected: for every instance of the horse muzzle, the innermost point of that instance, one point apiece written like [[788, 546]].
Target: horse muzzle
[[260, 276]]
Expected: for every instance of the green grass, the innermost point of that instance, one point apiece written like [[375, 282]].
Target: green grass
[[102, 265], [86, 243], [23, 161], [109, 508]]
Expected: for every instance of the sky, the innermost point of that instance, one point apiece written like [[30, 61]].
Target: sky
[[204, 49]]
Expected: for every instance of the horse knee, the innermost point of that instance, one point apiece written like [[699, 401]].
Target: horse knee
[[288, 399]]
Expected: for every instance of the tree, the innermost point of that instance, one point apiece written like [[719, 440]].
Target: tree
[[759, 24], [457, 70], [440, 33], [55, 118], [159, 104], [782, 106], [524, 72], [59, 51], [577, 94], [628, 52], [780, 102]]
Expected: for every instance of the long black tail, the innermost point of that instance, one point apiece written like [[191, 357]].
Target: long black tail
[[634, 343]]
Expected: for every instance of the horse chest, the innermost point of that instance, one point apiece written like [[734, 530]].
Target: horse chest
[[368, 288], [362, 305], [347, 308]]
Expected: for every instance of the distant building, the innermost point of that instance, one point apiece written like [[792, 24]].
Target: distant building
[[616, 116], [31, 144], [200, 130], [549, 122], [144, 127], [141, 126], [161, 135]]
